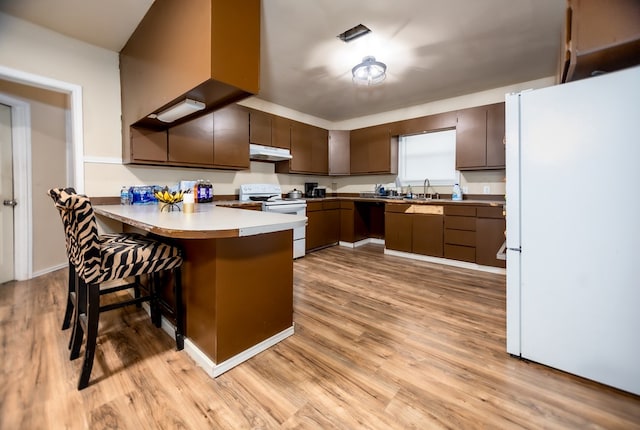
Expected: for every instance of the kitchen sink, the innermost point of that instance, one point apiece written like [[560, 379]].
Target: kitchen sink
[[423, 199]]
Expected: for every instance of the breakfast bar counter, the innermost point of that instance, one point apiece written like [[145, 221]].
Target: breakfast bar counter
[[206, 222], [237, 276]]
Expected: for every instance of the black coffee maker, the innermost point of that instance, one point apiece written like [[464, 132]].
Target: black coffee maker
[[308, 189]]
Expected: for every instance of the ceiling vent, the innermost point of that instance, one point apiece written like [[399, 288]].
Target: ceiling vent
[[354, 33]]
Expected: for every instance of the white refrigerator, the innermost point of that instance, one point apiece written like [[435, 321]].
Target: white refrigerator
[[573, 227]]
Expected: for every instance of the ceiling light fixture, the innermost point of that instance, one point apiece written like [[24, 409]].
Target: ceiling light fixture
[[354, 33], [184, 108], [369, 72]]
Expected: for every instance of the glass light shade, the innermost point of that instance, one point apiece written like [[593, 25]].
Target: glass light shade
[[369, 72]]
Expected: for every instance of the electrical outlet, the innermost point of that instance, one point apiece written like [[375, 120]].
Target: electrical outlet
[[486, 189], [465, 190]]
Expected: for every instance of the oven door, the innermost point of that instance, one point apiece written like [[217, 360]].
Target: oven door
[[298, 232], [293, 208]]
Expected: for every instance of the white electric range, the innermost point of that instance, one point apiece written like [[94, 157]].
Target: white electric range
[[271, 197]]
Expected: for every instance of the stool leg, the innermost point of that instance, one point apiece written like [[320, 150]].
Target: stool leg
[[66, 322], [93, 315], [154, 303], [73, 298], [136, 290], [177, 290], [80, 311]]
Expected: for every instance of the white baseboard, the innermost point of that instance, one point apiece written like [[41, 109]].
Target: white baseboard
[[446, 261], [216, 369], [362, 242], [49, 270]]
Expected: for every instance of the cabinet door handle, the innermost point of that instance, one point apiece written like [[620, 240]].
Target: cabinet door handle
[[11, 202]]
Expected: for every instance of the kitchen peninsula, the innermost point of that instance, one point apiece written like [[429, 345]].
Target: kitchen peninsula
[[237, 276]]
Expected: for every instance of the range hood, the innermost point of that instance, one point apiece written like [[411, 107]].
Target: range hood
[[268, 153]]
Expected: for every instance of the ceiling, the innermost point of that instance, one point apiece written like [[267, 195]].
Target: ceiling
[[434, 49]]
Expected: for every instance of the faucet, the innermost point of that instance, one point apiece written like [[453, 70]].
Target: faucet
[[425, 186]]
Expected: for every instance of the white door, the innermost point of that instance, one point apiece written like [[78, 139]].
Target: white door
[[6, 196]]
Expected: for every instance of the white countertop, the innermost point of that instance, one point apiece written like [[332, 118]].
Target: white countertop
[[208, 220]]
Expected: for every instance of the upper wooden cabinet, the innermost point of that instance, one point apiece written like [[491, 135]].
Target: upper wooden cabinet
[[280, 132], [218, 140], [182, 50], [373, 150], [148, 146], [599, 36], [480, 138], [269, 130], [339, 152], [309, 150], [191, 143], [231, 138], [423, 124], [259, 127]]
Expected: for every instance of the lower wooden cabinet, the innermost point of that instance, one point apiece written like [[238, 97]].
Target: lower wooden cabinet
[[490, 235], [398, 231], [414, 228], [323, 224], [457, 232], [460, 233], [347, 221], [427, 234], [361, 220]]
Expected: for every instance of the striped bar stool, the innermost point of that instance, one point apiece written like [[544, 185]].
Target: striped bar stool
[[96, 261], [67, 222]]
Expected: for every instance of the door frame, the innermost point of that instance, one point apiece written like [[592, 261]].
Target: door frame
[[21, 142]]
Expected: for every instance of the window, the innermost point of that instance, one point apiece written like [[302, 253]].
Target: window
[[429, 155]]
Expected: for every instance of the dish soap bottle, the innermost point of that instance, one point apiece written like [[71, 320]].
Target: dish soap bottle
[[456, 195]]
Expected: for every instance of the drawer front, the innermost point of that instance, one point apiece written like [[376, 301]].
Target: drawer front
[[460, 237], [460, 210], [462, 253], [490, 212], [314, 206], [397, 207], [331, 205], [460, 223], [345, 204]]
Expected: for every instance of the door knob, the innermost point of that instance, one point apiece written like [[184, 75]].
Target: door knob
[[10, 202]]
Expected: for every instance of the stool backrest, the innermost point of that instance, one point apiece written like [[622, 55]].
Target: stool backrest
[[82, 233], [67, 221]]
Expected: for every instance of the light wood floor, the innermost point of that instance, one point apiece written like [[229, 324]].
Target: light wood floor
[[380, 343]]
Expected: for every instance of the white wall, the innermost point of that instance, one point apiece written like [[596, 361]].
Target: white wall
[[36, 50], [33, 49]]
